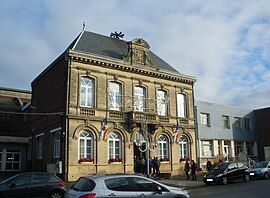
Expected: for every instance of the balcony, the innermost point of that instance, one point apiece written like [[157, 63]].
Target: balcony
[[87, 112]]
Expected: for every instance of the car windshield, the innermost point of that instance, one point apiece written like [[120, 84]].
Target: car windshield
[[219, 167], [261, 165]]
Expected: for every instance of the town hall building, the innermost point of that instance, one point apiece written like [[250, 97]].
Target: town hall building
[[107, 101]]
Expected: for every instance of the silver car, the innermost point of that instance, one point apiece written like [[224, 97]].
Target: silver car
[[124, 185]]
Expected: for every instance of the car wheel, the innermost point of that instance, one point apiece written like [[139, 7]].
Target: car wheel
[[246, 178], [56, 194], [266, 175], [224, 180]]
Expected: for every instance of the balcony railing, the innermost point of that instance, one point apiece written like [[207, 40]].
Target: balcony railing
[[87, 112]]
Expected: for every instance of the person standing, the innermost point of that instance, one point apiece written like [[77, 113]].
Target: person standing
[[208, 165], [154, 164], [187, 169], [193, 170], [144, 166]]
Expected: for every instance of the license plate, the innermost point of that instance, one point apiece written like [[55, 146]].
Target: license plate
[[251, 173], [209, 179]]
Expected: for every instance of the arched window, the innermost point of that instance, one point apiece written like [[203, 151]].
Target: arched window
[[161, 103], [139, 98], [114, 145], [181, 105], [87, 92], [184, 147], [115, 99], [85, 145], [163, 146]]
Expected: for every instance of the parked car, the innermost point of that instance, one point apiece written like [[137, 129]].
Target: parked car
[[227, 172], [33, 184], [123, 185], [260, 170]]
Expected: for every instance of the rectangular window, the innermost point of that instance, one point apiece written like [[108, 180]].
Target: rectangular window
[[39, 146], [207, 148], [247, 124], [225, 121], [56, 144], [237, 122], [238, 146], [161, 103], [87, 92], [205, 119], [139, 99], [181, 105], [13, 160], [115, 99]]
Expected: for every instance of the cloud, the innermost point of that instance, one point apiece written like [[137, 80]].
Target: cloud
[[225, 45]]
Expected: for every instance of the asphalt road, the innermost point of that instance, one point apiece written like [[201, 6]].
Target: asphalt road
[[252, 189]]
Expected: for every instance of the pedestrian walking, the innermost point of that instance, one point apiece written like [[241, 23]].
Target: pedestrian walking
[[187, 169], [154, 164], [193, 170], [143, 165]]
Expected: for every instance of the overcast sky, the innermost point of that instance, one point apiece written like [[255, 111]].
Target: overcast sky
[[224, 44]]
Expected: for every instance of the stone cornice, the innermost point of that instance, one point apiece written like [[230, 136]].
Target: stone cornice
[[119, 65]]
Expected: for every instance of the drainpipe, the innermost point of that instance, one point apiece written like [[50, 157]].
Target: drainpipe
[[196, 127]]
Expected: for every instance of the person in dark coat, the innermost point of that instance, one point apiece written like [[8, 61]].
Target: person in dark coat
[[193, 170], [208, 165], [187, 169]]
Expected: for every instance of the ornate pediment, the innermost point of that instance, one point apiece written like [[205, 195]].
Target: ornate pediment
[[138, 53]]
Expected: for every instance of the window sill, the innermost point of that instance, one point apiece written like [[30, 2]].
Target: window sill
[[165, 162], [115, 163], [86, 163]]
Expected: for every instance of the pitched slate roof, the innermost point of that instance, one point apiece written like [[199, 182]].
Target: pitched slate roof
[[89, 42]]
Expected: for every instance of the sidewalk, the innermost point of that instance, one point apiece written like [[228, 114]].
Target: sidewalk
[[181, 182]]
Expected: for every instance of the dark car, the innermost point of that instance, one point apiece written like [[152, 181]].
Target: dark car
[[260, 170], [33, 184], [227, 172]]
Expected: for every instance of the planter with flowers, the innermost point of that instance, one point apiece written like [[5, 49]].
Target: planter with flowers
[[115, 161], [183, 160], [165, 160], [86, 161]]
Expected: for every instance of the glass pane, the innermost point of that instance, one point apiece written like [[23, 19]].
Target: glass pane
[[16, 157]]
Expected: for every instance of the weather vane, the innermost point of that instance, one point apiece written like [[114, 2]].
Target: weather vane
[[117, 35]]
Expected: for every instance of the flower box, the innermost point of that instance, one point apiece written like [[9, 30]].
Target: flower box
[[184, 159], [86, 160], [166, 159], [115, 160]]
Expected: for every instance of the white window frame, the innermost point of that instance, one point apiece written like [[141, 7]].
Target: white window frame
[[39, 141], [114, 137], [207, 144], [115, 96], [56, 144], [181, 105], [225, 121], [139, 98], [162, 107], [183, 147], [205, 119], [237, 122], [87, 99], [13, 162], [163, 147], [84, 137]]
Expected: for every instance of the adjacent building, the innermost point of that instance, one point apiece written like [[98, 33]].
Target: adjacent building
[[225, 132], [109, 101], [262, 126], [13, 136]]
